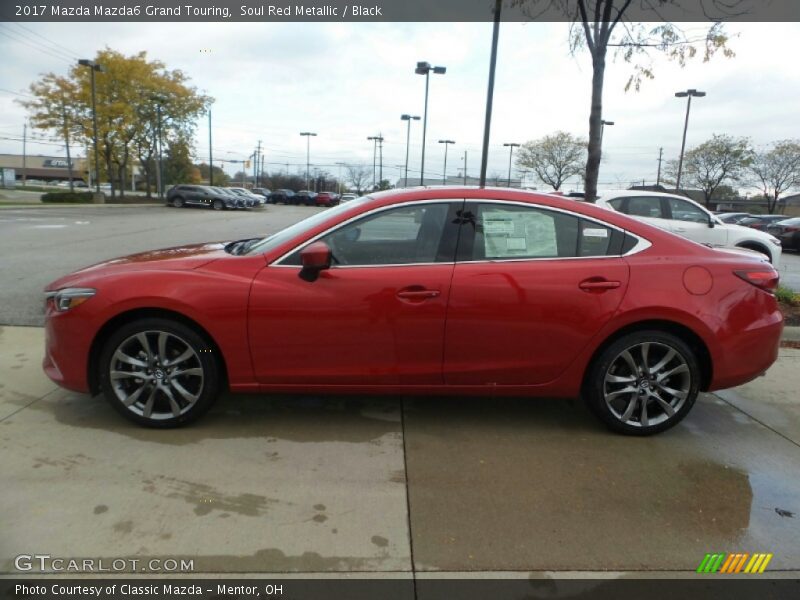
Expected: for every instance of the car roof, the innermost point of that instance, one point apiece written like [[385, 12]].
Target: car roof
[[603, 194]]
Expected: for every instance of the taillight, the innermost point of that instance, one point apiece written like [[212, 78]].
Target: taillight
[[766, 280], [791, 228]]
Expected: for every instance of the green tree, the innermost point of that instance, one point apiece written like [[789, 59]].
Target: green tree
[[553, 158], [602, 24], [776, 169], [721, 159], [178, 167], [53, 108], [220, 177], [129, 92]]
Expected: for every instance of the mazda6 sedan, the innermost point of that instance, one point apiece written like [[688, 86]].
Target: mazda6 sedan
[[468, 291]]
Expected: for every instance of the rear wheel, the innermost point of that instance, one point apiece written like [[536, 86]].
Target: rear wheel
[[159, 373], [217, 205], [760, 249], [643, 383], [177, 202]]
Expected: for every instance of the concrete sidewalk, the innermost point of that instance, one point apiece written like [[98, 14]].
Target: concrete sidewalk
[[398, 487]]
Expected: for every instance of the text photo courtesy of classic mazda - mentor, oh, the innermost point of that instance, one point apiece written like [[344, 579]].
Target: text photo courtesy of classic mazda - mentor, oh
[[487, 292]]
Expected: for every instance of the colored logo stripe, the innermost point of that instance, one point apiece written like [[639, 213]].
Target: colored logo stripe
[[721, 562]]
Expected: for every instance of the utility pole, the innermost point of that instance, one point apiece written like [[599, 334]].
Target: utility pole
[[24, 153], [374, 140], [446, 144], [465, 167], [660, 155], [258, 166], [380, 150], [262, 166], [510, 154], [95, 68]]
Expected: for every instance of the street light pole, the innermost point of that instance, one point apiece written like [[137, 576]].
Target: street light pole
[[94, 67], [490, 90], [425, 68], [603, 124], [687, 94], [210, 153], [446, 144], [510, 147], [408, 118], [308, 135]]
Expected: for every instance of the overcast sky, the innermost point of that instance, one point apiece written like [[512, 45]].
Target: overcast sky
[[347, 81]]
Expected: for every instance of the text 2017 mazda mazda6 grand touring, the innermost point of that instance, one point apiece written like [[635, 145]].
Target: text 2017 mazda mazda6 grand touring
[[469, 291]]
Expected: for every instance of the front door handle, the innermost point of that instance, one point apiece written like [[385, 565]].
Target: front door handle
[[596, 284], [417, 294]]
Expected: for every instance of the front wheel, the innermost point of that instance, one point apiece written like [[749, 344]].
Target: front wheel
[[217, 205], [159, 373], [643, 383]]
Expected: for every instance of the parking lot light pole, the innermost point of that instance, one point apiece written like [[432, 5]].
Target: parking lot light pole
[[510, 147], [339, 177], [603, 124], [407, 118], [95, 68], [308, 135], [446, 144], [687, 94], [425, 68]]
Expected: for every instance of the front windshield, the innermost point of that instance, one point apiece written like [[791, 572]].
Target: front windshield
[[284, 235]]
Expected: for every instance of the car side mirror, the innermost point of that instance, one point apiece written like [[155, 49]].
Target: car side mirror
[[315, 257], [711, 223]]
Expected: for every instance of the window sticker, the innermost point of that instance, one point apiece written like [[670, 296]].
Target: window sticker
[[524, 233], [598, 233]]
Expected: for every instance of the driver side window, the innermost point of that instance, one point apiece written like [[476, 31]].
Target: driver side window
[[403, 235]]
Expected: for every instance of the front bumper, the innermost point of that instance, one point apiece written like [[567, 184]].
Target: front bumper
[[68, 341]]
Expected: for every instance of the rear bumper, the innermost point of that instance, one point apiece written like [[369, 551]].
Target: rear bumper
[[748, 353]]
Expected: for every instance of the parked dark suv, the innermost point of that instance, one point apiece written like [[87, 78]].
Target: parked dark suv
[[199, 195], [285, 196]]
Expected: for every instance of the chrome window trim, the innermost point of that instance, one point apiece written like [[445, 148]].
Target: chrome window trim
[[641, 243]]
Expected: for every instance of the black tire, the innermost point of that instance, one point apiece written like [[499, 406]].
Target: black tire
[[177, 202], [217, 205], [203, 382], [607, 364]]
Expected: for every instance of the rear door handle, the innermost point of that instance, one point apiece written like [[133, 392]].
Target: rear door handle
[[599, 285], [417, 294]]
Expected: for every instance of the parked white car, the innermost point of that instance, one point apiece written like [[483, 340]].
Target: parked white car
[[690, 220]]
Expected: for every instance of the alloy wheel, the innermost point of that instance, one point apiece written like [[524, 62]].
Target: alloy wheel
[[647, 384], [156, 375]]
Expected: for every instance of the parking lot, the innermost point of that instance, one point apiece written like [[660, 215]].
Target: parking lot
[[402, 486]]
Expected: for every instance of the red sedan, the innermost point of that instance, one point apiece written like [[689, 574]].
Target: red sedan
[[489, 292]]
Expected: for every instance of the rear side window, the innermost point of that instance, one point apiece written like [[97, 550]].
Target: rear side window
[[644, 207], [504, 231]]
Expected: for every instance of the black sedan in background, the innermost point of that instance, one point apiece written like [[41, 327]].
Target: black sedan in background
[[788, 232]]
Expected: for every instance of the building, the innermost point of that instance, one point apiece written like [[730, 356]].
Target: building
[[44, 168]]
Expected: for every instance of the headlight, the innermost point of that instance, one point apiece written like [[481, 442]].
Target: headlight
[[775, 241], [68, 298]]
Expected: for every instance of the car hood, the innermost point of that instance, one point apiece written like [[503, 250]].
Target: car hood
[[169, 259]]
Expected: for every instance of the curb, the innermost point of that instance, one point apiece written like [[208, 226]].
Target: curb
[[790, 334], [77, 205]]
